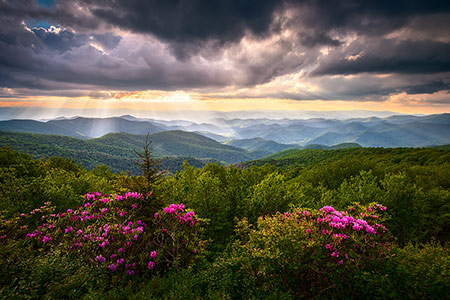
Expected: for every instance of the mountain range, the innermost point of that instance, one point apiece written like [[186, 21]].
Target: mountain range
[[118, 150], [262, 134]]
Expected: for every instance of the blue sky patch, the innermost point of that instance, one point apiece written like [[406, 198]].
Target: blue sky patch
[[46, 3], [37, 23]]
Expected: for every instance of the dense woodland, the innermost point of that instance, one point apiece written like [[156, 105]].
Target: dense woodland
[[116, 150], [349, 223]]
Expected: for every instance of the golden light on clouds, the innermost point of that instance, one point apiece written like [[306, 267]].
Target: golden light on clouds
[[168, 101], [154, 96]]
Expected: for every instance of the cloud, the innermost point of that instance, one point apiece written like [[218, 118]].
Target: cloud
[[194, 20], [62, 40], [59, 58], [235, 48], [387, 56]]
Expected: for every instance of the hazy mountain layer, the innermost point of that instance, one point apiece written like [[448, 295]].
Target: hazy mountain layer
[[263, 134]]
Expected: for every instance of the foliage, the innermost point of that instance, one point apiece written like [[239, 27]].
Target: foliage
[[26, 183], [422, 271], [150, 168], [108, 231], [312, 252], [116, 150], [253, 250]]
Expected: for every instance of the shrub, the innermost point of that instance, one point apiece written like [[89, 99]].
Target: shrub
[[108, 232], [421, 271], [311, 253]]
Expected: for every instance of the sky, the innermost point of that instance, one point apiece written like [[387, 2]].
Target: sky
[[96, 57]]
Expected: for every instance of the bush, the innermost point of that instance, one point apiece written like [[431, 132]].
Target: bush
[[421, 271], [310, 253], [108, 232]]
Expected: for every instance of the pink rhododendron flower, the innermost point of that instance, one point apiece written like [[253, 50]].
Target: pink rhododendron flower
[[104, 200], [370, 230], [335, 254], [113, 267], [327, 209], [357, 227], [151, 265], [100, 259]]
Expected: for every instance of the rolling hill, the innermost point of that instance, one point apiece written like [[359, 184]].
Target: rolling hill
[[82, 127], [295, 158], [31, 126], [116, 150], [269, 147], [260, 144], [179, 143]]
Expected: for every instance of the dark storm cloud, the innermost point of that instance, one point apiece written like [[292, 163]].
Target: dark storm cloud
[[59, 58], [184, 24], [187, 44], [375, 87], [229, 20], [366, 17], [190, 20], [318, 38], [225, 20], [427, 88], [43, 60], [387, 56]]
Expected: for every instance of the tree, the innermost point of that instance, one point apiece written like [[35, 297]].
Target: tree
[[150, 168], [151, 176]]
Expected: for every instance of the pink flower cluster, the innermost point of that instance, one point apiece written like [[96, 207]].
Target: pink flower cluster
[[339, 220], [341, 226], [174, 208], [178, 211], [107, 232]]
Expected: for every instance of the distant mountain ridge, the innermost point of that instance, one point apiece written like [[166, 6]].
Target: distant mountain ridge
[[262, 134], [269, 147]]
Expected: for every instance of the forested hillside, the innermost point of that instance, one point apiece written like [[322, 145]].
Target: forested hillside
[[353, 223], [294, 159], [116, 150], [268, 147]]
